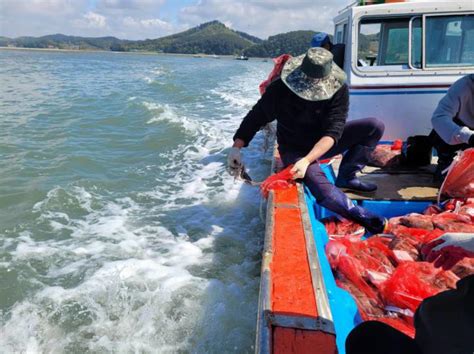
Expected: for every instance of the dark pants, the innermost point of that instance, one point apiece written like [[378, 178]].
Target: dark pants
[[362, 132], [445, 152]]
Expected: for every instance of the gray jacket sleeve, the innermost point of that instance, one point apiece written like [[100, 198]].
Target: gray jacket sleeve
[[448, 108]]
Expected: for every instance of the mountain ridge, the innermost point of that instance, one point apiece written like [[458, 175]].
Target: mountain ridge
[[213, 38]]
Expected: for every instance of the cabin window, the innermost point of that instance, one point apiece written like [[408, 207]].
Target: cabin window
[[341, 33], [383, 42], [369, 38], [449, 41], [420, 42]]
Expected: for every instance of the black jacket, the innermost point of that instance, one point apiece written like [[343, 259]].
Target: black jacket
[[444, 323], [300, 123]]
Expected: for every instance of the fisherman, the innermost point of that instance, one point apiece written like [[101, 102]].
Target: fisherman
[[453, 123], [310, 103], [322, 40], [444, 323]]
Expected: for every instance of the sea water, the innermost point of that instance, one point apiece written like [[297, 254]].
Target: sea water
[[120, 230]]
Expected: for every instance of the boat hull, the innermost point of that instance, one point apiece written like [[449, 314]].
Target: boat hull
[[301, 308]]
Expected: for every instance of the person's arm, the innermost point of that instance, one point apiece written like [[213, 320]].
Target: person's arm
[[319, 149], [261, 114], [446, 110], [448, 249]]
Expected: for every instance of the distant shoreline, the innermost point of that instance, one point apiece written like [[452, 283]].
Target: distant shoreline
[[210, 56]]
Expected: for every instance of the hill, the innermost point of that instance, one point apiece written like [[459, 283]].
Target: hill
[[294, 43], [62, 41], [4, 41], [208, 38]]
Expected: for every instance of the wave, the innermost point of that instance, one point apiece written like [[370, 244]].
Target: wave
[[159, 71], [116, 282], [148, 79], [165, 113]]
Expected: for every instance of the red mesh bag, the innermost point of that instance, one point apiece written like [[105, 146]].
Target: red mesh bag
[[275, 73], [407, 243], [412, 282], [277, 181], [375, 254], [372, 254], [430, 236], [432, 210], [397, 145], [349, 276], [352, 269], [459, 181], [467, 210], [336, 227], [385, 156], [453, 204], [453, 222], [368, 308], [418, 221], [464, 267], [416, 236], [357, 261]]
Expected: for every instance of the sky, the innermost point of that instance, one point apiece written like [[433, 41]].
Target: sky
[[141, 19]]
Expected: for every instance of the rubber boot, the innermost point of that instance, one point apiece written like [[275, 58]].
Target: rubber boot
[[355, 159], [340, 204]]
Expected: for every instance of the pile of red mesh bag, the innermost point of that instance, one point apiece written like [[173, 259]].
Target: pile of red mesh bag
[[386, 274]]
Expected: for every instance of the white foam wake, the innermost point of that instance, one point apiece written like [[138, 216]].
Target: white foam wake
[[169, 267]]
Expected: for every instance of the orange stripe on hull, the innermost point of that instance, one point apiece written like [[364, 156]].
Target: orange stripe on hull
[[292, 290], [292, 304]]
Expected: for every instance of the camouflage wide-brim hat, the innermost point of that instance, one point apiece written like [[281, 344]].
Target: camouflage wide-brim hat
[[313, 76]]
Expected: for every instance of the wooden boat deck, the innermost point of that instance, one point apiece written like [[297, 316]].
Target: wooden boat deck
[[399, 184]]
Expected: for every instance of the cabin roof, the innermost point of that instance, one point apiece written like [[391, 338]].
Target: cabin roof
[[410, 7]]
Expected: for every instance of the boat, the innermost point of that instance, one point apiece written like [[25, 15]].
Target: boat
[[242, 57], [301, 309]]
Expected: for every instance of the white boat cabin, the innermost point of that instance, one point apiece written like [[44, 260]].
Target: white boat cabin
[[401, 57]]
